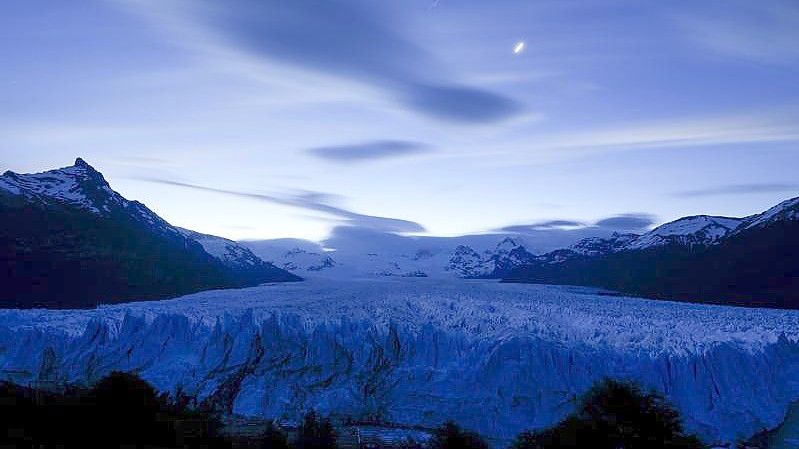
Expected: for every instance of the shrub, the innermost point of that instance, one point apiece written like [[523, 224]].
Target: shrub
[[615, 415], [316, 433], [274, 437], [451, 436]]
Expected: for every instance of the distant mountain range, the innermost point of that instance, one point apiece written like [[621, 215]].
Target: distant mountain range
[[413, 259], [69, 240], [751, 261]]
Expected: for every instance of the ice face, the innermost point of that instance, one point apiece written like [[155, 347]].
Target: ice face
[[498, 358]]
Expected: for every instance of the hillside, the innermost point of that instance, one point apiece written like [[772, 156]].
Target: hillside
[[70, 241]]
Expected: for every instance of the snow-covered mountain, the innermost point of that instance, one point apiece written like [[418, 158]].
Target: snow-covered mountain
[[81, 187], [466, 262], [508, 255], [69, 240], [302, 257], [227, 251], [688, 231], [496, 358], [785, 211], [399, 260], [597, 246], [745, 261], [588, 247]]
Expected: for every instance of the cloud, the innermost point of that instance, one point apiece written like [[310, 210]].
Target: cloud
[[775, 125], [634, 222], [315, 201], [627, 222], [543, 226], [758, 31], [736, 189], [342, 38], [377, 149]]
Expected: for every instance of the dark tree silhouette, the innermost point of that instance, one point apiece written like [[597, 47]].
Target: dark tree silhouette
[[273, 437], [122, 410], [451, 436], [316, 432], [615, 415]]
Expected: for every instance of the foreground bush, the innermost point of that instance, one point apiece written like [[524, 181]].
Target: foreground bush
[[450, 436], [120, 411], [315, 432], [615, 415]]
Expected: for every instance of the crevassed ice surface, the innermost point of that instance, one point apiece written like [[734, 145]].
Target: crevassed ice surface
[[498, 358]]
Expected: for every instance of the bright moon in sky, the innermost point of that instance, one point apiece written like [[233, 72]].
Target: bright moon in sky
[[519, 47]]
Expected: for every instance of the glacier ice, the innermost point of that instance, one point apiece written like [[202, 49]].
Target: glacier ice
[[497, 358]]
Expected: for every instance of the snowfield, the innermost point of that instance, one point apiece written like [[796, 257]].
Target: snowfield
[[498, 358]]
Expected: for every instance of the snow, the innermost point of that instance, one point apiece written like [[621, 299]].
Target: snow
[[498, 358], [701, 229], [786, 210], [405, 258], [223, 249], [61, 185], [78, 186]]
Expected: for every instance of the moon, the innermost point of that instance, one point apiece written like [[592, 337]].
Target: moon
[[518, 48]]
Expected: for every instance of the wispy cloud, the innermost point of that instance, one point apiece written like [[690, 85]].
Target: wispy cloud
[[777, 125], [632, 222], [543, 226], [758, 31], [738, 189], [627, 222], [314, 201], [378, 149], [341, 38]]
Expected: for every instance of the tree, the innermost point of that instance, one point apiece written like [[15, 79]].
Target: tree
[[126, 409], [316, 433], [274, 437], [615, 415], [450, 436]]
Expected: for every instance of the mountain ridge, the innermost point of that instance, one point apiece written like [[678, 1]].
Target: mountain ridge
[[755, 263], [70, 241]]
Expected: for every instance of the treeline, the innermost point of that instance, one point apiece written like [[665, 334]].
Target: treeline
[[124, 411]]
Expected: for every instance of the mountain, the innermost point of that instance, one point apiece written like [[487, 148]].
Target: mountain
[[401, 256], [69, 240], [294, 256], [751, 261], [508, 255], [700, 230], [242, 263], [466, 262]]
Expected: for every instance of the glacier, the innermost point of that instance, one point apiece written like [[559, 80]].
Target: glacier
[[497, 358]]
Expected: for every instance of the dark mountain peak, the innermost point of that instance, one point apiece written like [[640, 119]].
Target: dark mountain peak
[[85, 171], [69, 240]]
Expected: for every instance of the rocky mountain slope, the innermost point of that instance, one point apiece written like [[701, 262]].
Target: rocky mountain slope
[[69, 240], [742, 261]]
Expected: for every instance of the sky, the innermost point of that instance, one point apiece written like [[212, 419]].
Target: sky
[[274, 118]]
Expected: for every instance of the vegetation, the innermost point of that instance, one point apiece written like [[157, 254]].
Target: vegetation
[[274, 438], [450, 436], [615, 415], [122, 410], [315, 433]]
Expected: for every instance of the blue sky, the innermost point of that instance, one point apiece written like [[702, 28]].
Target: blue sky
[[271, 118]]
